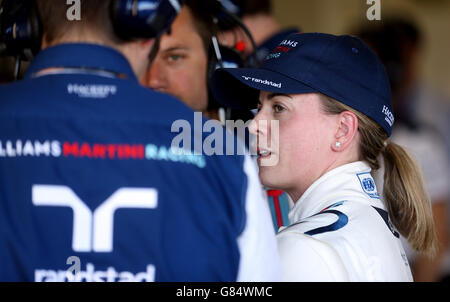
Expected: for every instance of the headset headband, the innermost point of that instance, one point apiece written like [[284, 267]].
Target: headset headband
[[21, 29], [134, 19]]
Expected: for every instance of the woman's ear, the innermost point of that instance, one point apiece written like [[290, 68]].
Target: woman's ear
[[346, 130]]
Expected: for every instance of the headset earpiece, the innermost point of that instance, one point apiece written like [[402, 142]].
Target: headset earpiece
[[220, 56], [20, 28], [145, 19]]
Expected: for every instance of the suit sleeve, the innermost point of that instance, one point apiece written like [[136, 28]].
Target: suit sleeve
[[305, 259], [259, 261]]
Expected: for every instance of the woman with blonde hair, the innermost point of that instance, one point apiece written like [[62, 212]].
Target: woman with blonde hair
[[329, 97]]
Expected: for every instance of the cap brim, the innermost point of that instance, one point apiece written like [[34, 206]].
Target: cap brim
[[238, 88]]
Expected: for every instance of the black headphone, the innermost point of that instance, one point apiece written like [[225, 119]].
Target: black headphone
[[225, 57], [137, 19], [220, 56], [21, 29]]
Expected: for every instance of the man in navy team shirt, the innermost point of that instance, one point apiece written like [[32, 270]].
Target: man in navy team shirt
[[90, 189]]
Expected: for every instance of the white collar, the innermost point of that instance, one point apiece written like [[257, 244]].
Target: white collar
[[342, 183]]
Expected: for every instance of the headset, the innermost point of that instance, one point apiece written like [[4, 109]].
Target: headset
[[228, 15], [21, 29], [220, 56], [143, 19]]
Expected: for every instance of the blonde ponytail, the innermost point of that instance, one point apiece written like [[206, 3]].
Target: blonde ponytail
[[408, 203], [405, 196]]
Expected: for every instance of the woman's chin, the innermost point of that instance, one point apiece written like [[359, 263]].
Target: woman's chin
[[268, 179]]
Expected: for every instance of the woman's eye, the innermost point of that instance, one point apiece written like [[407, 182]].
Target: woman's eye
[[278, 108]]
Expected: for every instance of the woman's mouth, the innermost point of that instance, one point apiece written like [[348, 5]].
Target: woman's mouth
[[264, 153]]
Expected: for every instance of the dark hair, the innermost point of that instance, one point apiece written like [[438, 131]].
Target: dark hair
[[203, 21], [254, 7], [94, 15]]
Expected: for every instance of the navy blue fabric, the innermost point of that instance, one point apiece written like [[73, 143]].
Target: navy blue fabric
[[190, 236], [342, 67]]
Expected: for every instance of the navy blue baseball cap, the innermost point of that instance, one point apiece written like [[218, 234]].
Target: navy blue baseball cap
[[341, 67]]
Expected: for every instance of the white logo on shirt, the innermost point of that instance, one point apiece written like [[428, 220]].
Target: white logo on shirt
[[94, 231], [92, 91]]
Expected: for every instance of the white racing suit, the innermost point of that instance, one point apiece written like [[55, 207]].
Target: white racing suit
[[340, 231]]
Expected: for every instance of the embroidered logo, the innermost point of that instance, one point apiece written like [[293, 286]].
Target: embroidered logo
[[92, 91], [368, 185], [264, 82], [389, 116]]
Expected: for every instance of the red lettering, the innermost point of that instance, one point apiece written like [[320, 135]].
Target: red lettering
[[111, 151], [128, 151], [85, 150], [123, 151], [99, 151], [140, 151], [104, 151], [282, 49], [70, 149]]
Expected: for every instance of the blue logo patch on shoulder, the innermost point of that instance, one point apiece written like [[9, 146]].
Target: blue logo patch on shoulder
[[368, 184]]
